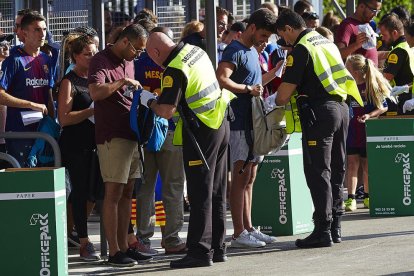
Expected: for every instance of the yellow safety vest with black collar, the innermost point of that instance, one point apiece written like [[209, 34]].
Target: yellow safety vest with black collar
[[203, 94], [404, 46], [330, 70]]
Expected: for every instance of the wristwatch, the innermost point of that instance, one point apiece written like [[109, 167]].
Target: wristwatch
[[248, 89]]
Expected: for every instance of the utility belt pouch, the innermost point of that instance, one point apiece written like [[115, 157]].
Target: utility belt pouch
[[306, 113]]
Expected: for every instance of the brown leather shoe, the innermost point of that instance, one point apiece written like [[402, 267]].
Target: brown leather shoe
[[179, 249]]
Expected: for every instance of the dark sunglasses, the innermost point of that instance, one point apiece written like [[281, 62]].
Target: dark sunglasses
[[310, 16]]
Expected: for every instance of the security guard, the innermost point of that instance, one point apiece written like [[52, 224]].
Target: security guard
[[399, 66], [189, 85], [316, 70]]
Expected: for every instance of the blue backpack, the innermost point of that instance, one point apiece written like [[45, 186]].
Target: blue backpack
[[151, 129], [41, 153]]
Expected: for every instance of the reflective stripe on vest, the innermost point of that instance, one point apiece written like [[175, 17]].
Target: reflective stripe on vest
[[404, 45], [329, 67], [292, 116], [202, 94]]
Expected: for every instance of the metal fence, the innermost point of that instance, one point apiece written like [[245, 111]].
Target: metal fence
[[7, 14], [67, 15], [172, 14]]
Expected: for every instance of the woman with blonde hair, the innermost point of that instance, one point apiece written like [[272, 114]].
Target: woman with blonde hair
[[194, 34], [77, 141], [374, 89], [192, 27]]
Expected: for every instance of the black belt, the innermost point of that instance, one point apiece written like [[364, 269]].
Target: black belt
[[334, 98]]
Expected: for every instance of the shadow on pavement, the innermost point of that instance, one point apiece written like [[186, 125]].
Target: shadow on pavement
[[407, 273], [379, 235]]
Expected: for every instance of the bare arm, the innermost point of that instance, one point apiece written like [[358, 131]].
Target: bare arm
[[351, 48], [50, 104], [65, 101], [163, 110], [9, 100], [284, 92], [223, 73], [269, 76], [389, 76], [373, 114], [101, 91]]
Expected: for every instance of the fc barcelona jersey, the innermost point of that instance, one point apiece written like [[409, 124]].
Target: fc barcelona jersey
[[28, 78]]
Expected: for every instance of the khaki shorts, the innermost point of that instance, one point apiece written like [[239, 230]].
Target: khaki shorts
[[119, 160]]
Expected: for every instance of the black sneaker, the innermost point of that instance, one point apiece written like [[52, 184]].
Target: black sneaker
[[121, 259], [136, 255]]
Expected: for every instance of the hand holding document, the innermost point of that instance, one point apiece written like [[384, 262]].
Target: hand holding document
[[279, 71], [31, 117]]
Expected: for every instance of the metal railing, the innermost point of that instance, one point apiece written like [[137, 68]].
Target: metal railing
[[10, 159], [36, 135]]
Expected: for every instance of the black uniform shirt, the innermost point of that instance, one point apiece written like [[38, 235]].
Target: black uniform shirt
[[174, 82], [398, 64], [300, 71]]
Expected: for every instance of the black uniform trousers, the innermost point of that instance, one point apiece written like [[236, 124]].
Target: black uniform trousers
[[324, 145], [206, 189]]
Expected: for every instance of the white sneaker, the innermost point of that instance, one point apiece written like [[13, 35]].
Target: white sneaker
[[262, 237], [246, 240]]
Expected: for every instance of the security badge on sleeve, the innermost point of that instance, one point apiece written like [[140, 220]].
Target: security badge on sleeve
[[289, 61], [167, 82], [393, 58]]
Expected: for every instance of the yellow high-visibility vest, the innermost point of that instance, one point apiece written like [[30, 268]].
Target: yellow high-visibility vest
[[330, 70], [203, 94]]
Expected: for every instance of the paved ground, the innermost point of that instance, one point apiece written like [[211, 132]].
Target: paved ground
[[371, 246]]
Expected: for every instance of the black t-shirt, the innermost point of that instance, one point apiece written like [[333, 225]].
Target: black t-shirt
[[300, 71], [81, 136], [195, 39], [398, 64]]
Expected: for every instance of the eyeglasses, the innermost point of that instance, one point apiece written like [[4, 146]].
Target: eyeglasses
[[221, 24], [374, 11], [310, 16], [137, 52]]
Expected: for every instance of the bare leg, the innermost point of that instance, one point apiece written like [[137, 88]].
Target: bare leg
[[237, 195], [113, 194], [248, 196], [124, 214], [352, 173], [364, 162]]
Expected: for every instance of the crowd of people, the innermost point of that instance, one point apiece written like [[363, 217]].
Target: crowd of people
[[340, 73]]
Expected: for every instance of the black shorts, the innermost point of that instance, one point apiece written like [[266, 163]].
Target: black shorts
[[357, 151]]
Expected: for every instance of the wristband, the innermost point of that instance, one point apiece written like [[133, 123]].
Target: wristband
[[248, 89]]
